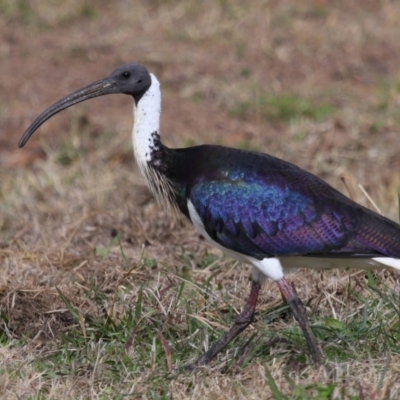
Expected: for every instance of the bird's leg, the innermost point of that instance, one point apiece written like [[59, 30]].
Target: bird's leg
[[242, 321], [289, 293]]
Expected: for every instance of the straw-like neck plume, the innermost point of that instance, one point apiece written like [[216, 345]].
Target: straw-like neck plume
[[146, 128], [147, 146]]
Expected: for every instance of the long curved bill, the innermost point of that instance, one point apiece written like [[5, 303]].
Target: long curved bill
[[98, 88]]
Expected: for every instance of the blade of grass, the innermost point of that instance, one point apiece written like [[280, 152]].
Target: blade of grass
[[75, 313], [273, 386]]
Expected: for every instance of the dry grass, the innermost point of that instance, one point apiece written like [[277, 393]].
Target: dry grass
[[101, 294]]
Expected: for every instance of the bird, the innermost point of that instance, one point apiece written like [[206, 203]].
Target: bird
[[256, 208]]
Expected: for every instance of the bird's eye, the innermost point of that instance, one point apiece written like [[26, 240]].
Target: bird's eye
[[126, 74]]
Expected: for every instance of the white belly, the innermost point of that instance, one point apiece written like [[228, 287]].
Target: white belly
[[269, 267]]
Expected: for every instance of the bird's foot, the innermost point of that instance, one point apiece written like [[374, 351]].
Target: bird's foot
[[289, 293], [243, 320]]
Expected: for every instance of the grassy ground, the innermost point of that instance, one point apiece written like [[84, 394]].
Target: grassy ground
[[103, 296]]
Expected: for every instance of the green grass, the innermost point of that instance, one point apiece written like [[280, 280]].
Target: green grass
[[116, 350], [286, 108], [385, 110], [46, 14], [19, 8]]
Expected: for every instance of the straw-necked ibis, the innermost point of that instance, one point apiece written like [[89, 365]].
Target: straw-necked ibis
[[258, 209]]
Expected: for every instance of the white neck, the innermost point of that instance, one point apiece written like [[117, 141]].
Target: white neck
[[146, 124], [147, 145]]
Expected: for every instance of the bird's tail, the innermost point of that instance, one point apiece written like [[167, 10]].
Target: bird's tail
[[381, 235]]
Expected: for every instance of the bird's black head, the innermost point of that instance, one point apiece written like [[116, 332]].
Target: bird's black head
[[132, 79]]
